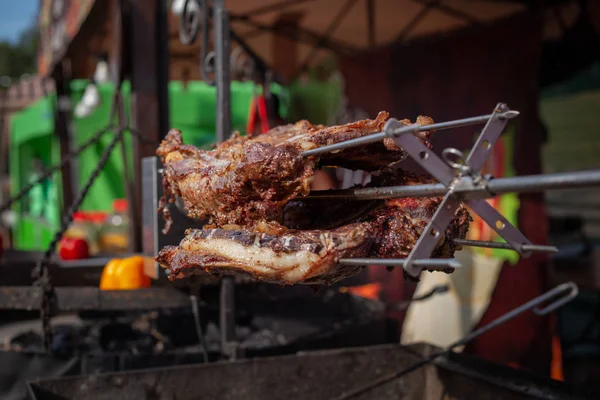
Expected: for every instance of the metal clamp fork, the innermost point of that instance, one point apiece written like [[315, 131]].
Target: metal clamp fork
[[452, 173]]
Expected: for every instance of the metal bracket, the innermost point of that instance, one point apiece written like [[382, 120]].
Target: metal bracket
[[202, 14], [455, 173]]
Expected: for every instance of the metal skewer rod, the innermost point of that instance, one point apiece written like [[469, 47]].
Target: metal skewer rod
[[520, 184], [500, 245], [381, 193], [437, 263], [413, 128], [442, 263]]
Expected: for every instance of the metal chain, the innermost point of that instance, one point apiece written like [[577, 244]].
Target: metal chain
[[49, 171], [139, 136], [41, 272], [71, 154]]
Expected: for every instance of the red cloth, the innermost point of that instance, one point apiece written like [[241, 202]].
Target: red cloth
[[458, 75]]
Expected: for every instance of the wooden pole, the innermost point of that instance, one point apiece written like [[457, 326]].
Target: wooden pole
[[147, 49]]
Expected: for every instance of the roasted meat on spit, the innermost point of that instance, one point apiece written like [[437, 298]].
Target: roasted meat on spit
[[271, 252], [251, 190], [247, 179]]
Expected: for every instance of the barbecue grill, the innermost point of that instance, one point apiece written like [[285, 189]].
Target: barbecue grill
[[270, 321], [460, 181], [317, 375], [459, 175]]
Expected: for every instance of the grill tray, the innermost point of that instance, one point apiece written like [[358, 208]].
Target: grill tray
[[315, 376]]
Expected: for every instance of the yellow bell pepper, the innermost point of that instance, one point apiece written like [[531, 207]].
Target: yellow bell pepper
[[125, 274]]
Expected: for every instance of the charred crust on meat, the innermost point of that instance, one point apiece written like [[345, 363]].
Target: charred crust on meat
[[389, 231], [245, 179], [251, 188]]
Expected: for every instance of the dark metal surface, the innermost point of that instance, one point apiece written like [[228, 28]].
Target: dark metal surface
[[90, 298], [315, 376], [198, 326], [229, 345], [152, 223], [16, 271]]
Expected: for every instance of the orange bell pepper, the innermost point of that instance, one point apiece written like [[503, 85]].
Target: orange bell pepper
[[131, 273], [109, 279], [125, 274]]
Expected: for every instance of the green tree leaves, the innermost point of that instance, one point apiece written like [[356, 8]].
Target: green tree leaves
[[20, 58]]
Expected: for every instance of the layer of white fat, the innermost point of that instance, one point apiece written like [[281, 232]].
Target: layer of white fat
[[264, 262]]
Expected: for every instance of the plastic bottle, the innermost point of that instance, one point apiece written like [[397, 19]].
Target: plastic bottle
[[114, 237], [80, 227], [97, 221]]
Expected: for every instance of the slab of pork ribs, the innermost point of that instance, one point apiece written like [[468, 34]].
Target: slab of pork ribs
[[251, 191]]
